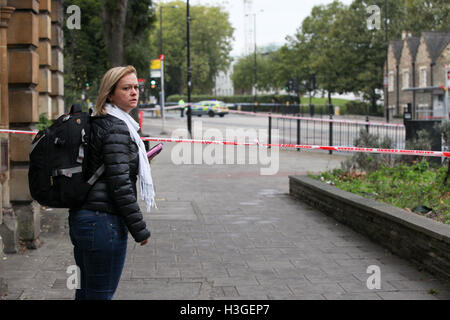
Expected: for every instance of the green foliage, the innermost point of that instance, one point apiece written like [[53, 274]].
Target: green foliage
[[267, 98], [444, 128], [267, 72], [139, 21], [44, 122], [422, 142], [368, 162], [403, 186], [362, 108], [335, 43], [85, 57], [429, 15], [85, 53], [210, 44]]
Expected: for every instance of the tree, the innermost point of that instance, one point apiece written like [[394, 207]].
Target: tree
[[139, 21], [113, 17], [244, 72], [86, 55], [315, 38], [211, 35], [426, 15], [242, 75]]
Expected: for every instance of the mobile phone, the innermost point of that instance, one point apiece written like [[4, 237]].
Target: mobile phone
[[154, 151]]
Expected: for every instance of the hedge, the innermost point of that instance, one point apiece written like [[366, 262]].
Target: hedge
[[320, 104]]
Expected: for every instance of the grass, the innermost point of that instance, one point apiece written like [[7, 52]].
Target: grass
[[321, 101], [415, 188]]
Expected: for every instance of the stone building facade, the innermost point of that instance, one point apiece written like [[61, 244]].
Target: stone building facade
[[416, 74], [31, 62]]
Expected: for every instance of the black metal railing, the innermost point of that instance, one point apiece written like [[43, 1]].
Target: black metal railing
[[327, 131]]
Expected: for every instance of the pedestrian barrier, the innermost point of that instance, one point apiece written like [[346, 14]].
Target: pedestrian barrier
[[320, 131]]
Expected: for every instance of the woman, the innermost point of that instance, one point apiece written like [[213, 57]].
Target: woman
[[99, 228]]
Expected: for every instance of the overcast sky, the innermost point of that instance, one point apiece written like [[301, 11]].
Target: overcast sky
[[278, 19]]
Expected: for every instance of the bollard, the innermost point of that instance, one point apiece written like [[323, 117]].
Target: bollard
[[141, 119]]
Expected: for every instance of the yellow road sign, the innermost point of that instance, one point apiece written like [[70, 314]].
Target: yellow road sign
[[155, 64]]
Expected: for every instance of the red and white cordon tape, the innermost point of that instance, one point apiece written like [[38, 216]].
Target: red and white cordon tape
[[159, 109], [301, 146], [424, 153]]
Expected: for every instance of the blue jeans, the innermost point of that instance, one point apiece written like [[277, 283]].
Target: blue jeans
[[100, 245]]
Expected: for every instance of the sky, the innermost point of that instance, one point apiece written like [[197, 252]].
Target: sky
[[275, 19]]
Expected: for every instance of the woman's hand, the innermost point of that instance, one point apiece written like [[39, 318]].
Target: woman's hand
[[143, 243]]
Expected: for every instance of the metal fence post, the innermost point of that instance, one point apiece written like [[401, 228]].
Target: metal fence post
[[298, 133], [331, 129], [270, 131]]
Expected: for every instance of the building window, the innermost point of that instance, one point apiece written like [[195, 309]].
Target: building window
[[405, 79], [391, 81], [423, 77]]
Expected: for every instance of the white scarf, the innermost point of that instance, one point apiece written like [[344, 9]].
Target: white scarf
[[145, 175]]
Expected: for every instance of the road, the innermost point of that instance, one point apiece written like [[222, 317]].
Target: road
[[311, 132]]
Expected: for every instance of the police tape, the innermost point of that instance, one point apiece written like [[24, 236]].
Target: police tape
[[159, 109], [310, 147], [424, 153], [274, 115]]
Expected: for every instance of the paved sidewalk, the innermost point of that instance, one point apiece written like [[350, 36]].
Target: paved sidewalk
[[227, 232]]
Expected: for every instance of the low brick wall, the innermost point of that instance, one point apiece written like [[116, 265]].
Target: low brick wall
[[421, 240]]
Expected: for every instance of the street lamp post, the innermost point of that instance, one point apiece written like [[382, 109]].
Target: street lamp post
[[162, 98], [188, 37], [160, 30], [255, 68], [255, 98]]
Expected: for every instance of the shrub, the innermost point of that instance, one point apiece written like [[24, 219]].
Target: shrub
[[368, 162], [44, 122], [422, 142], [362, 108]]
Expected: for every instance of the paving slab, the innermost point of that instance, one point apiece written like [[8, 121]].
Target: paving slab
[[228, 232]]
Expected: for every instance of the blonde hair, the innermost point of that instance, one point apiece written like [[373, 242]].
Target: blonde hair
[[108, 85]]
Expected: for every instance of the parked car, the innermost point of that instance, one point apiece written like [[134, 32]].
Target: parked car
[[209, 107]]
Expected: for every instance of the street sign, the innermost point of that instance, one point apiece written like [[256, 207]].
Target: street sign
[[155, 73], [155, 68], [162, 57], [155, 64]]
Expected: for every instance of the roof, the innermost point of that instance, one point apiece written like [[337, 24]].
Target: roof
[[397, 46], [436, 43], [413, 45]]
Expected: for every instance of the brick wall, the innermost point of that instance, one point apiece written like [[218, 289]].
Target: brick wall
[[423, 241]]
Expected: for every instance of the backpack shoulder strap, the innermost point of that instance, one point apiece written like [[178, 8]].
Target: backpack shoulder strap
[[96, 175], [76, 108]]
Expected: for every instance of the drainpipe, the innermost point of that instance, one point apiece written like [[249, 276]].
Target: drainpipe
[[397, 103], [414, 91], [431, 83]]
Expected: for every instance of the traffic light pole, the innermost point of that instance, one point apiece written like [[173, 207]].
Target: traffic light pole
[[386, 77], [446, 83]]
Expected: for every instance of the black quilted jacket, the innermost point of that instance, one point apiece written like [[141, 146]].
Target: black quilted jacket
[[115, 191]]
